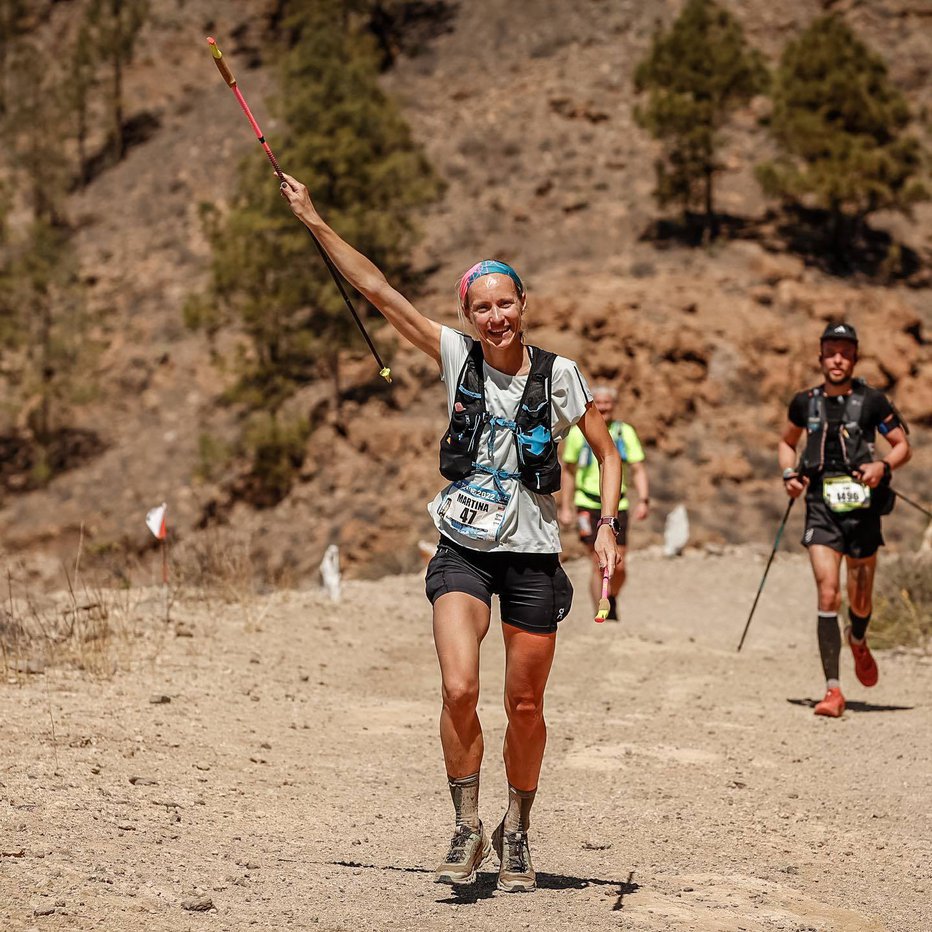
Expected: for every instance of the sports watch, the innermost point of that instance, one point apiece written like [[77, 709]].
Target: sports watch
[[789, 473], [612, 522]]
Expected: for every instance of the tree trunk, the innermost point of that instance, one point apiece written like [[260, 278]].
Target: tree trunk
[[335, 375], [117, 90], [710, 230], [43, 428], [81, 133]]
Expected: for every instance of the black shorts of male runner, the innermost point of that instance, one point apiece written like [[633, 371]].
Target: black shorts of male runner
[[855, 534]]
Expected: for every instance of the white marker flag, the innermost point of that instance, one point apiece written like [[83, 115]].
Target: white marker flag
[[676, 532], [155, 521]]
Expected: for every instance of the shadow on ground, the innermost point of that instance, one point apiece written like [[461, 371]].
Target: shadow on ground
[[854, 705], [485, 885]]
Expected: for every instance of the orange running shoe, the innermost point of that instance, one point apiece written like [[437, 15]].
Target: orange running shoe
[[865, 667], [832, 705]]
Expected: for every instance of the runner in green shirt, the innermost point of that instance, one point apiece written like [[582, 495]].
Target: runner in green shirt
[[579, 493]]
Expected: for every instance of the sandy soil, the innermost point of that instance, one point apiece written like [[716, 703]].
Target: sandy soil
[[296, 778]]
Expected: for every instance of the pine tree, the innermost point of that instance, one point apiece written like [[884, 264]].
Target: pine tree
[[44, 345], [113, 25], [350, 144], [841, 125], [37, 112], [696, 74], [82, 78]]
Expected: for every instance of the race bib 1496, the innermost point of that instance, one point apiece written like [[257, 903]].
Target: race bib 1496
[[843, 494]]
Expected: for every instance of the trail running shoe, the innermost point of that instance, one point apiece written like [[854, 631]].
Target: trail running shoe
[[468, 849], [865, 667], [515, 872], [832, 705]]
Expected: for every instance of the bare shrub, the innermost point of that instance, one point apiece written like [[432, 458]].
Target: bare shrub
[[903, 602], [220, 565], [217, 564]]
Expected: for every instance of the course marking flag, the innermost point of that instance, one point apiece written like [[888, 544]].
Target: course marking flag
[[155, 521]]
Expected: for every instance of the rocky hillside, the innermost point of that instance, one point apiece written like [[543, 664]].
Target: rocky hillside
[[525, 111]]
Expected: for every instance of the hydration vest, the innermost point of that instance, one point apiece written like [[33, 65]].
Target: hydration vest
[[538, 464], [857, 444]]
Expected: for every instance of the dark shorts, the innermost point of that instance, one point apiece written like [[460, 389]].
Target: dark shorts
[[856, 534], [534, 592], [589, 526]]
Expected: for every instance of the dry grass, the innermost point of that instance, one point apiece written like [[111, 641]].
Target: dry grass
[[903, 602], [100, 629], [219, 565], [89, 629]]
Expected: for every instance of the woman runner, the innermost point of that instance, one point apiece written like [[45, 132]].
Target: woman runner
[[498, 529]]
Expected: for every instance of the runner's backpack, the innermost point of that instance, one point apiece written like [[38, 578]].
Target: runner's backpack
[[857, 443], [538, 464]]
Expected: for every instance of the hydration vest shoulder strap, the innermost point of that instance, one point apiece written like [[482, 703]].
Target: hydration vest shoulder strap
[[854, 404]]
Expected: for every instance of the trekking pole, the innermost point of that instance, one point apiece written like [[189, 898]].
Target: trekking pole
[[905, 498], [909, 501], [773, 552], [227, 75]]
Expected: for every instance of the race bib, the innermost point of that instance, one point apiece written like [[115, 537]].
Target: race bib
[[843, 494], [473, 511]]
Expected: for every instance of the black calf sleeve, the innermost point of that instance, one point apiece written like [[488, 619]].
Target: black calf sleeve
[[859, 624], [829, 643]]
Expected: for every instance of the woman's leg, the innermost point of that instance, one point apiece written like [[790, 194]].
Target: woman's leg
[[528, 658], [460, 623]]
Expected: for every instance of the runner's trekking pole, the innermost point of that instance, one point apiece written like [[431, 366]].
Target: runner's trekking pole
[[227, 75], [909, 501], [773, 552]]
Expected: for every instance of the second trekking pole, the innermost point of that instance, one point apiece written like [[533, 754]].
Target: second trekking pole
[[760, 588]]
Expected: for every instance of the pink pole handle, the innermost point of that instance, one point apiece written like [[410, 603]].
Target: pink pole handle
[[604, 606], [231, 81]]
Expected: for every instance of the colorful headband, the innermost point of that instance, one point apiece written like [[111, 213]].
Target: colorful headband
[[487, 267]]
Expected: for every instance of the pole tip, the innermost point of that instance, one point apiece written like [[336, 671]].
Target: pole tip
[[211, 40], [386, 374]]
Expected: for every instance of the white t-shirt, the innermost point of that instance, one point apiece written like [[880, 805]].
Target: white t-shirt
[[521, 520]]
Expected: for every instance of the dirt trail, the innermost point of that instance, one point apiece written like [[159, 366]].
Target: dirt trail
[[299, 783]]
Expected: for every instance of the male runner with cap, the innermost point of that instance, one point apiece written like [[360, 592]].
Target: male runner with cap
[[579, 492], [847, 492]]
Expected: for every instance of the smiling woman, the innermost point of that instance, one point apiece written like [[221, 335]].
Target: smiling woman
[[509, 404]]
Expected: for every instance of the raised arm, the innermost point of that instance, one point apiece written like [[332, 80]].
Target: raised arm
[[364, 276], [592, 424]]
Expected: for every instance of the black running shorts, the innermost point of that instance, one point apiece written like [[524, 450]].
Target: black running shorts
[[856, 534], [534, 593], [588, 519]]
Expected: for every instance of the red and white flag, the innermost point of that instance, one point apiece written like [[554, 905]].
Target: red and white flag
[[155, 521]]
